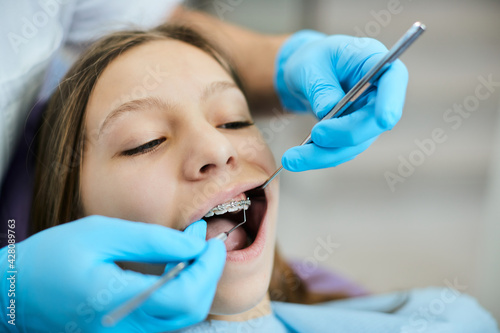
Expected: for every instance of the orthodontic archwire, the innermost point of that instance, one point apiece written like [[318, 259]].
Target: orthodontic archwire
[[230, 207], [123, 310], [223, 235]]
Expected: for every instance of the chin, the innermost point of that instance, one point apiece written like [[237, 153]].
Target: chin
[[245, 280], [236, 297]]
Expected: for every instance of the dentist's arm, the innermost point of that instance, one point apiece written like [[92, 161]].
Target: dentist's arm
[[66, 278], [310, 71]]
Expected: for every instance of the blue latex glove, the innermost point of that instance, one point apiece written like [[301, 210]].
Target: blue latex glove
[[67, 280], [313, 72]]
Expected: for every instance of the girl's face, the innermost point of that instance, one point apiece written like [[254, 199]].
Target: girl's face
[[168, 137]]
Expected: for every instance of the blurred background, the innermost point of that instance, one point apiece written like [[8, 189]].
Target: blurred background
[[440, 222]]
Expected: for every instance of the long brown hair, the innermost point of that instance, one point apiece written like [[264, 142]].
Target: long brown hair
[[61, 143]]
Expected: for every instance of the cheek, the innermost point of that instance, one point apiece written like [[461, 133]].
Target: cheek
[[253, 148], [130, 191]]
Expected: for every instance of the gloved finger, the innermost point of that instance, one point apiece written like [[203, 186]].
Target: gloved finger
[[197, 229], [124, 285], [191, 293], [140, 321], [391, 93], [287, 76], [116, 239], [360, 102], [136, 321], [349, 130], [311, 156], [177, 304], [322, 89], [154, 324], [358, 57]]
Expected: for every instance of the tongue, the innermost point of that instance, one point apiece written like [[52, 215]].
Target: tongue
[[236, 239]]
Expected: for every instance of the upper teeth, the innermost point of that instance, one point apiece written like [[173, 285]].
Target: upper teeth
[[233, 206]]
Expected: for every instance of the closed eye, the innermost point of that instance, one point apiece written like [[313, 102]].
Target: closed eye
[[145, 148], [236, 125]]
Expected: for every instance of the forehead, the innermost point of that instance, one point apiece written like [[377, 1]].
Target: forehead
[[168, 58], [168, 69]]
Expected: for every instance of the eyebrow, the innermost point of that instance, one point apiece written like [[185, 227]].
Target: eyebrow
[[158, 103]]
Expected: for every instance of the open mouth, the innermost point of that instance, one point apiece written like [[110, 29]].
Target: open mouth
[[225, 216]]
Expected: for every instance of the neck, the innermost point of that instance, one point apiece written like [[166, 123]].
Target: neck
[[263, 308]]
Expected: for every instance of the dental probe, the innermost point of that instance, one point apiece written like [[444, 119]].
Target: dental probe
[[120, 312], [366, 81], [223, 235]]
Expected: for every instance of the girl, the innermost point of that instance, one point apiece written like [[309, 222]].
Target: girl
[[153, 126]]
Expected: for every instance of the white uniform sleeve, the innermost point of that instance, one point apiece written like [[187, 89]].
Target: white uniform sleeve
[[94, 18]]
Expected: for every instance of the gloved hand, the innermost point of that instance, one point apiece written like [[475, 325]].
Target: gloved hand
[[67, 280], [313, 72]]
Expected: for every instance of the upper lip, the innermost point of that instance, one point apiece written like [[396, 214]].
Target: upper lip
[[222, 197]]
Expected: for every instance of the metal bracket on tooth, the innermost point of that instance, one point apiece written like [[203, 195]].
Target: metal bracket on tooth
[[232, 206]]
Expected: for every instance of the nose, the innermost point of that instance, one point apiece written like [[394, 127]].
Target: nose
[[208, 152]]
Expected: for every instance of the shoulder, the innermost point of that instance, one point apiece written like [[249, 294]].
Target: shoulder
[[429, 306], [418, 310]]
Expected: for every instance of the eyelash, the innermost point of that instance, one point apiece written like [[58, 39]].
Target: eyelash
[[236, 125], [153, 144], [145, 148]]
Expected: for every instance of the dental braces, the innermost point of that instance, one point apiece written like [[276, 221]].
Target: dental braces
[[231, 207]]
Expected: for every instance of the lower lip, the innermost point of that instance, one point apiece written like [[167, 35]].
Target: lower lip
[[255, 249]]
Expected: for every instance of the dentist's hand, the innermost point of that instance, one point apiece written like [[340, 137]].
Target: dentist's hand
[[67, 280], [313, 72]]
